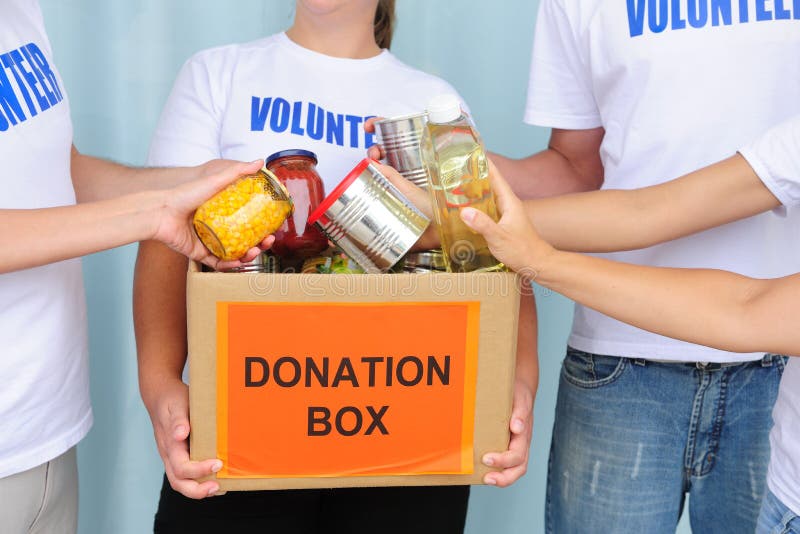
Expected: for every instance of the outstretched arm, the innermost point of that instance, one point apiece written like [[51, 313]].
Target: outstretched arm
[[613, 220], [35, 237], [713, 308], [570, 164]]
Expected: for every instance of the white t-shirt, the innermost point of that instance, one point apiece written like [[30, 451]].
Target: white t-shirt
[[44, 397], [776, 159], [675, 91], [247, 101]]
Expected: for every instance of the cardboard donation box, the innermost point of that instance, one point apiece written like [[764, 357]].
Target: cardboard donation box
[[320, 381]]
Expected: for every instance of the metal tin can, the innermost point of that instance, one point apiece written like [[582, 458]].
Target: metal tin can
[[400, 138], [265, 262], [369, 219], [425, 262]]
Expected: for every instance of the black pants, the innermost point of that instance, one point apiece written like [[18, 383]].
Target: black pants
[[401, 510]]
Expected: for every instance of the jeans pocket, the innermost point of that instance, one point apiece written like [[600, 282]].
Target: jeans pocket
[[587, 370]]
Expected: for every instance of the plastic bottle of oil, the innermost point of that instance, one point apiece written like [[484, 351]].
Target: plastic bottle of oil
[[458, 173]]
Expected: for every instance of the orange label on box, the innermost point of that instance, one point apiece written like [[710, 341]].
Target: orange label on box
[[346, 389]]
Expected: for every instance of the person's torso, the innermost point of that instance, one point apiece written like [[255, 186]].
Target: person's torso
[[784, 462], [679, 85], [282, 96], [273, 95], [44, 403]]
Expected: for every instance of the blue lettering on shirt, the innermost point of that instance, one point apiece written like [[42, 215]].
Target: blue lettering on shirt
[[335, 129], [636, 17], [354, 122], [744, 13], [721, 10], [315, 126], [297, 114], [19, 72], [369, 139], [26, 74], [781, 13], [657, 20], [659, 15], [44, 67], [308, 119], [8, 97], [698, 13], [48, 99], [258, 113], [762, 13], [279, 120], [678, 22]]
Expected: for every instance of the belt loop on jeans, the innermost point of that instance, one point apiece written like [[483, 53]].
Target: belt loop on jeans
[[766, 361], [704, 366], [640, 362]]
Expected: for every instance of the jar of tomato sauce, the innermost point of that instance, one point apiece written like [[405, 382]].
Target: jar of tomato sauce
[[296, 169]]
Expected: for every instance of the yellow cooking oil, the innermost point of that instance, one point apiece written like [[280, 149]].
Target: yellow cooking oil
[[458, 173]]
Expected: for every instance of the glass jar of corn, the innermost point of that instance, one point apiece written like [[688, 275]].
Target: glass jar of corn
[[240, 216]]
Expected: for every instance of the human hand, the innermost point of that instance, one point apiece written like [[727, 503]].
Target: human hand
[[513, 463], [513, 240], [421, 199], [376, 151], [170, 417], [174, 225]]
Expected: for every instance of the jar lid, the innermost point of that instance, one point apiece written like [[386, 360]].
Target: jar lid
[[292, 152], [276, 188]]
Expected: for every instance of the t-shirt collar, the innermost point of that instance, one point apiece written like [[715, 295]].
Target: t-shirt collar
[[338, 62]]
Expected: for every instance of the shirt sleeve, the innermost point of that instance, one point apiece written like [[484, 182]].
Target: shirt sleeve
[[189, 128], [775, 157], [559, 89]]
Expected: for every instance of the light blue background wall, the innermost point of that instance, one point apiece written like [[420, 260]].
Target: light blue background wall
[[119, 59]]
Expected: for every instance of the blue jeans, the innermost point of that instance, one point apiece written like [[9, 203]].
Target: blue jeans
[[631, 438], [776, 518]]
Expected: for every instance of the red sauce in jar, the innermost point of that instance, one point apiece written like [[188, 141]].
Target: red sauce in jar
[[296, 169]]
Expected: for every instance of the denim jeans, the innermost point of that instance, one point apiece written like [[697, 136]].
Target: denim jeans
[[776, 518], [631, 438]]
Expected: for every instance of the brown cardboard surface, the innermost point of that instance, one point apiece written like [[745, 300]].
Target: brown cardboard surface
[[499, 298]]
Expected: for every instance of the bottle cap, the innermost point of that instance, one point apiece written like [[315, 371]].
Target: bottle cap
[[444, 108]]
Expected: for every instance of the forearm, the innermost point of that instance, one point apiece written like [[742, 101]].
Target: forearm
[[544, 174], [36, 237], [571, 163], [712, 308], [613, 220], [98, 179], [159, 313]]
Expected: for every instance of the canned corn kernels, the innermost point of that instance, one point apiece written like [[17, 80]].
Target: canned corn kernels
[[240, 216]]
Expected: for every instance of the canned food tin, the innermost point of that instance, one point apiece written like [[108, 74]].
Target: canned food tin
[[265, 262], [424, 262], [369, 219], [400, 138]]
